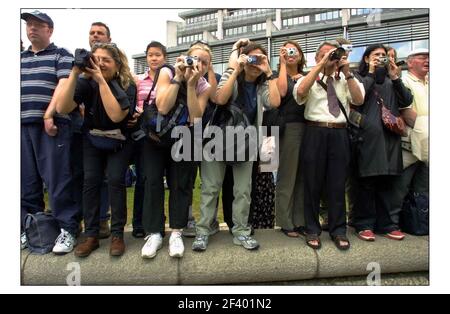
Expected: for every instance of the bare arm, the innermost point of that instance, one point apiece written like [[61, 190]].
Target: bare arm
[[225, 91], [110, 103], [282, 76], [167, 92], [213, 82], [64, 98], [410, 116]]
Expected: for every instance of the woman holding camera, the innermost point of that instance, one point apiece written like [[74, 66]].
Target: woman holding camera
[[108, 92], [249, 83], [188, 78], [379, 155], [156, 55], [289, 192]]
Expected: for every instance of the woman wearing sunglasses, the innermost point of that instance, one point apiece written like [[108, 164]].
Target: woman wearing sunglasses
[[108, 92]]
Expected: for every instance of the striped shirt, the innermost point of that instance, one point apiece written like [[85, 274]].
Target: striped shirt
[[40, 73]]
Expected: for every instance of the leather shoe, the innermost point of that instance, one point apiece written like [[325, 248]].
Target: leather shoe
[[117, 247], [104, 232], [87, 247]]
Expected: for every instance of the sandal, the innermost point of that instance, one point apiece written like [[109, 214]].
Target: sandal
[[301, 231], [291, 233], [341, 238], [311, 238]]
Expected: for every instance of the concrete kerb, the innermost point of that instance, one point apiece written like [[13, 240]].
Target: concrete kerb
[[279, 259]]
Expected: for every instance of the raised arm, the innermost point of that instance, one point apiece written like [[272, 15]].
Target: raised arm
[[167, 90], [64, 102]]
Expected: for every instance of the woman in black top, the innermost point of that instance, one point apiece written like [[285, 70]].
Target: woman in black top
[[379, 155], [289, 194], [108, 91]]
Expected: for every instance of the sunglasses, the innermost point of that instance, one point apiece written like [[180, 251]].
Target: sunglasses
[[100, 45]]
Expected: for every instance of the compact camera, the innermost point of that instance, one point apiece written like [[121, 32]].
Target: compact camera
[[383, 61], [253, 59], [82, 58], [291, 52], [337, 54], [190, 61]]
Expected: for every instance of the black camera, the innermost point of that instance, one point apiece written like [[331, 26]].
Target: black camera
[[82, 58], [337, 54]]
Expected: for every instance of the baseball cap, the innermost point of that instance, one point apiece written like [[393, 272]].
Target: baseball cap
[[419, 51], [38, 15]]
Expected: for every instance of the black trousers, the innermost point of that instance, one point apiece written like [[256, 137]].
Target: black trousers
[[157, 160], [325, 162], [372, 205], [95, 163]]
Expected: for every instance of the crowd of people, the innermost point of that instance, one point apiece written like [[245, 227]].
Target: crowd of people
[[81, 129]]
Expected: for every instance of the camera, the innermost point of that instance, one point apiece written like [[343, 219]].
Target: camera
[[291, 52], [253, 59], [82, 58], [190, 61], [400, 63], [383, 61], [337, 54]]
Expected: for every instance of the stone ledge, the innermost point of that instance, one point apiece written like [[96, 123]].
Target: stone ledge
[[279, 259]]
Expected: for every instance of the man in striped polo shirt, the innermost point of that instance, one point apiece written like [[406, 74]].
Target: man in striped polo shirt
[[45, 135]]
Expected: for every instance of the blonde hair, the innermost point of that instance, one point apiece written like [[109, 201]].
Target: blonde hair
[[200, 47], [124, 74]]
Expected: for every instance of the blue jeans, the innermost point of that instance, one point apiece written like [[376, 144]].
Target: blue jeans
[[47, 159]]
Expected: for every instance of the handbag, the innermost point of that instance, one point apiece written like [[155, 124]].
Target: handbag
[[231, 115], [274, 118], [414, 218], [158, 127], [391, 122], [353, 125], [105, 143]]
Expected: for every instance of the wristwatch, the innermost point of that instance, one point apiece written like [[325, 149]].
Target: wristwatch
[[270, 77], [174, 81], [351, 76]]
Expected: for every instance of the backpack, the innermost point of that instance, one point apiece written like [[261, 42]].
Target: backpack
[[158, 127], [414, 218], [41, 230]]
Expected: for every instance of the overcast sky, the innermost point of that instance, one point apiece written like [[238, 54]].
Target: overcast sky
[[131, 29]]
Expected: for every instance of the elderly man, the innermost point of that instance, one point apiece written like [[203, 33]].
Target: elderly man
[[45, 135], [326, 147], [415, 177]]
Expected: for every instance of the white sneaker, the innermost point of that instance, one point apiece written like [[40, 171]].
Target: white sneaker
[[153, 244], [23, 241], [64, 243], [176, 246]]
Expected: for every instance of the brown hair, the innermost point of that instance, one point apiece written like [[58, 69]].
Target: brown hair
[[125, 77], [302, 63]]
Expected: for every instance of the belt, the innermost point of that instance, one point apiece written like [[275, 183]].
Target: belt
[[329, 125]]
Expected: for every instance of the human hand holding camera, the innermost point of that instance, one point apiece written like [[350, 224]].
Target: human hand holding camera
[[283, 55], [344, 65], [193, 74], [94, 71], [180, 69], [263, 65], [393, 69]]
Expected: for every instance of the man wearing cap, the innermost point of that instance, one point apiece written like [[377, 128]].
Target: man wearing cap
[[415, 176], [45, 135]]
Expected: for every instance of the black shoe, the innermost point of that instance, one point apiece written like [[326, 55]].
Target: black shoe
[[138, 233]]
